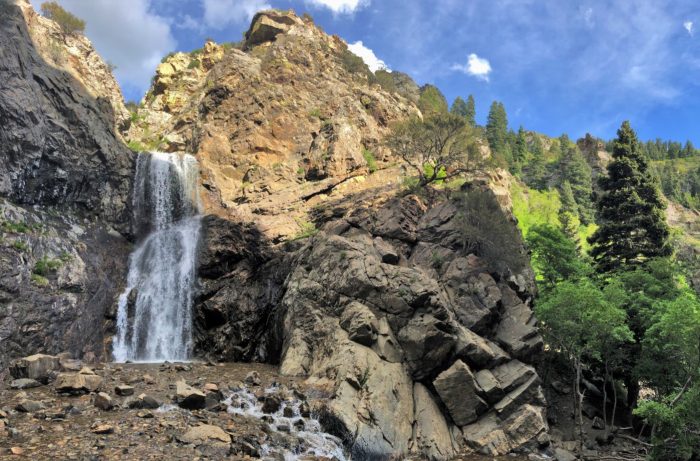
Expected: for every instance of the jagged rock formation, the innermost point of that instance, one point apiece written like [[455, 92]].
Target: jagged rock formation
[[420, 343], [61, 262], [276, 125]]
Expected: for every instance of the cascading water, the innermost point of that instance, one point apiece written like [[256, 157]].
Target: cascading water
[[154, 318]]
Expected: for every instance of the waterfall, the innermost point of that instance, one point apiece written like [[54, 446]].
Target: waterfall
[[154, 317]]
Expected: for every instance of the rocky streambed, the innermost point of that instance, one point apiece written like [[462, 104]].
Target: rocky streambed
[[57, 408]]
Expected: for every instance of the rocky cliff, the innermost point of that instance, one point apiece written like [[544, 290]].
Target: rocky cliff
[[409, 316], [65, 181]]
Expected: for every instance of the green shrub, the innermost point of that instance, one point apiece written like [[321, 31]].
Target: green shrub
[[20, 245], [308, 229], [385, 80], [15, 227], [371, 161], [353, 63], [69, 23], [45, 266], [194, 64], [315, 113], [136, 146], [39, 280]]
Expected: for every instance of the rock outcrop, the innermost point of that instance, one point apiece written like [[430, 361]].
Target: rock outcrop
[[394, 340], [65, 179], [278, 122]]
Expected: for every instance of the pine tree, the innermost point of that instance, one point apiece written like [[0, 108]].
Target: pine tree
[[459, 108], [471, 111], [536, 176], [568, 213], [519, 151], [497, 129], [578, 173], [631, 209]]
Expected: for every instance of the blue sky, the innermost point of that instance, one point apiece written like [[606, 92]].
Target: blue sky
[[557, 65]]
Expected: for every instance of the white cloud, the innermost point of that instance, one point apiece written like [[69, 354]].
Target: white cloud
[[340, 6], [368, 56], [220, 13], [476, 67], [688, 25], [588, 17], [127, 34]]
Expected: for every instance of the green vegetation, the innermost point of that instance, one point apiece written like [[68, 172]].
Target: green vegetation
[[352, 63], [39, 280], [437, 148], [497, 132], [20, 245], [69, 23], [14, 227], [371, 161], [307, 229], [633, 225], [194, 64], [46, 266], [432, 102]]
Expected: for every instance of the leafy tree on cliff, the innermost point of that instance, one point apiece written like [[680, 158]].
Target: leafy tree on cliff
[[631, 209], [432, 101], [437, 148], [69, 23]]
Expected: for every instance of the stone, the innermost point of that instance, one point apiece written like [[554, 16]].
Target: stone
[[512, 374], [103, 401], [37, 366], [252, 378], [271, 404], [360, 323], [432, 434], [560, 387], [490, 386], [561, 454], [529, 391], [24, 383], [124, 390], [142, 401], [517, 331], [492, 436], [29, 406], [148, 379], [205, 434], [68, 364], [98, 428], [458, 390], [17, 451], [189, 397], [267, 25], [77, 383], [598, 423], [145, 414], [87, 371], [211, 387], [387, 252]]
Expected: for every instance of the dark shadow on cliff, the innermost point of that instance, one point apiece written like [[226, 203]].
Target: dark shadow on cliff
[[241, 278], [58, 144], [62, 161]]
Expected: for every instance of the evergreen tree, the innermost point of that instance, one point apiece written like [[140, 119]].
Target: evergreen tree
[[631, 209], [471, 111], [497, 129], [537, 170], [578, 173], [459, 107], [519, 151], [568, 213]]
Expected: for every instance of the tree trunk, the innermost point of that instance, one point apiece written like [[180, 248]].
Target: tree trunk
[[612, 417], [605, 398], [579, 395]]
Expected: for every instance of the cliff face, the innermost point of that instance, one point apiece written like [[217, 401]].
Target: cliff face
[[277, 125], [58, 143], [65, 179]]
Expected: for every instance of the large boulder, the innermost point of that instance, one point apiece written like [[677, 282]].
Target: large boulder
[[360, 323], [459, 391], [77, 383], [189, 397], [266, 25], [37, 366], [206, 434]]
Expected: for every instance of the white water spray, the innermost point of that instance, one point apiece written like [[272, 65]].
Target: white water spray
[[154, 318]]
